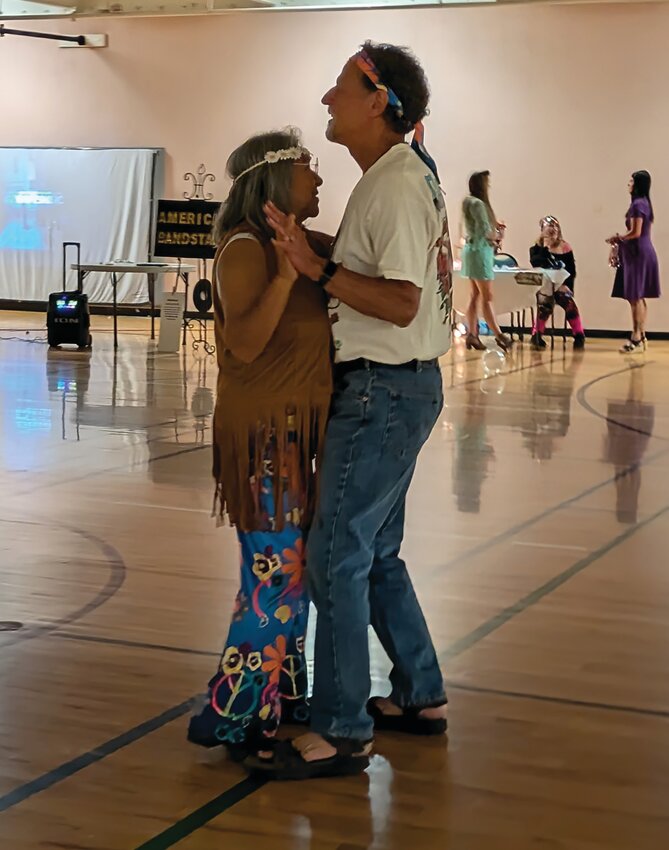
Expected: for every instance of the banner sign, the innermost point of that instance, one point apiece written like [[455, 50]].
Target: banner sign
[[183, 229]]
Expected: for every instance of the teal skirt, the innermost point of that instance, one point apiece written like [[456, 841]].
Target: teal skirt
[[478, 261]]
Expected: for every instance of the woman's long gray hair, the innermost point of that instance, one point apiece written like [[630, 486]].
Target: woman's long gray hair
[[267, 182]]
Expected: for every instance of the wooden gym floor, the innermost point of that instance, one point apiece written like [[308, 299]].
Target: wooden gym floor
[[537, 537]]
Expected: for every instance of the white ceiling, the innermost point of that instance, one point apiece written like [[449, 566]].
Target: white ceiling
[[27, 9], [32, 9]]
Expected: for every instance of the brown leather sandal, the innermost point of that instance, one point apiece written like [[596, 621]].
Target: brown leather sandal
[[285, 762]]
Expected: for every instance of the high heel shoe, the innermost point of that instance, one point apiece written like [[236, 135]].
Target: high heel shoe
[[537, 342], [474, 342], [504, 342], [634, 346]]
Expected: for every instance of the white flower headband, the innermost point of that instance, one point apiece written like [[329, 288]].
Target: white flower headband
[[272, 157]]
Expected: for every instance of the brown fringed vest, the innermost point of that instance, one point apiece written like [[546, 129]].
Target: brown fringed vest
[[285, 391]]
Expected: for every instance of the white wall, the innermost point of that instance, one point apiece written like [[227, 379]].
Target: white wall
[[561, 103]]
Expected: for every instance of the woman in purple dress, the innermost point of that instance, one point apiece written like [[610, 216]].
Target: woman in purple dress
[[638, 275]]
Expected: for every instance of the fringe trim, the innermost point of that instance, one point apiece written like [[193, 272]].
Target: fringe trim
[[282, 445]]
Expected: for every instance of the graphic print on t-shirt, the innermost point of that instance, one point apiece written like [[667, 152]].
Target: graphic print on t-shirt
[[333, 303], [444, 253]]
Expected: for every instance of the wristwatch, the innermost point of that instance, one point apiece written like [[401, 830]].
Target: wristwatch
[[328, 273]]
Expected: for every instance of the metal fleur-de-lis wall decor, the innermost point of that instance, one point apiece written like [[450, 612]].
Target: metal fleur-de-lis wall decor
[[197, 192]]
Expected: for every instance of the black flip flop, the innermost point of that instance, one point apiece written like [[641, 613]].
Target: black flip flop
[[409, 722], [240, 752], [286, 763]]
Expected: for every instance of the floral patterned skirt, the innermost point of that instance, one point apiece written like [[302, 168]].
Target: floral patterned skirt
[[262, 672]]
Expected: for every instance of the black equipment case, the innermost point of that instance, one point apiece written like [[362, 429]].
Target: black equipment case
[[68, 319]]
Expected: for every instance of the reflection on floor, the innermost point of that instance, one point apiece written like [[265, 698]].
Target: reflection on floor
[[536, 533]]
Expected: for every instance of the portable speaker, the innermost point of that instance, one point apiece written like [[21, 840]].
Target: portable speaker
[[68, 319]]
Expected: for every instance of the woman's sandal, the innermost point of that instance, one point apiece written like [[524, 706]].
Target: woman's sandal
[[286, 763], [409, 722]]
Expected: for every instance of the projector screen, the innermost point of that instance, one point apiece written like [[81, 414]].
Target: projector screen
[[100, 197]]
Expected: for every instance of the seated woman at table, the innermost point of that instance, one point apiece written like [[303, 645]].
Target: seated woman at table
[[551, 251]]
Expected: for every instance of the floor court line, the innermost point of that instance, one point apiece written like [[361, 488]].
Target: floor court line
[[117, 468], [566, 547], [531, 599], [243, 789], [156, 507], [523, 526], [582, 392], [160, 720], [120, 467], [135, 644], [69, 768], [451, 684], [505, 535], [577, 703], [115, 581], [219, 805], [512, 531], [201, 817]]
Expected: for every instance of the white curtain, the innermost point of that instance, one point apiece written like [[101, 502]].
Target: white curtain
[[98, 197]]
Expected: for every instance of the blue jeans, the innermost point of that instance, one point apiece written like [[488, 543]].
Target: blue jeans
[[380, 419]]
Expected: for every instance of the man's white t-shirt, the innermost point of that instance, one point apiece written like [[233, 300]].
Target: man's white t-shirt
[[395, 227]]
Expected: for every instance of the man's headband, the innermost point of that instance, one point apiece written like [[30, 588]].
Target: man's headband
[[366, 64]]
